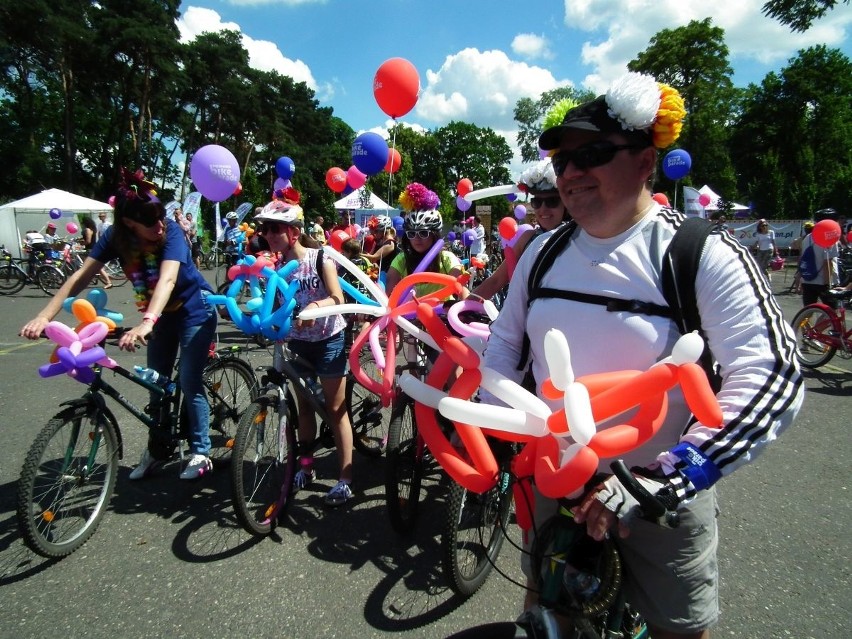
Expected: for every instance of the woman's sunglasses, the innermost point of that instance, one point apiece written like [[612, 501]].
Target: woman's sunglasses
[[149, 221], [269, 227], [589, 155], [550, 202], [423, 234]]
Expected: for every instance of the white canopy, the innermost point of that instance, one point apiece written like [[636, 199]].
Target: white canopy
[[714, 200], [353, 201], [33, 212]]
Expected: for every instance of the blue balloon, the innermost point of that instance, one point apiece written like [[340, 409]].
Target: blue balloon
[[397, 223], [676, 164], [285, 167], [370, 153]]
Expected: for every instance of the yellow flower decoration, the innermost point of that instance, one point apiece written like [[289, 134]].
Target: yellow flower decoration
[[669, 121]]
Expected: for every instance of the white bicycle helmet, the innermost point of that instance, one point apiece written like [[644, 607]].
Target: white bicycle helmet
[[278, 211], [381, 222], [231, 216], [423, 221]]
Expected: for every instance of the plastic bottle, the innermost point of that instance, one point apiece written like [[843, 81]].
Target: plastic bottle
[[150, 375], [313, 385]]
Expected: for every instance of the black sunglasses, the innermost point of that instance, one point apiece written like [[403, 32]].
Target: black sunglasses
[[422, 234], [550, 202], [149, 221], [270, 227], [589, 155]]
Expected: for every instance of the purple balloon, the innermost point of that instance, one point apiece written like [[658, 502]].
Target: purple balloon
[[520, 212], [511, 197], [280, 184], [370, 153], [467, 237], [451, 236], [285, 168], [55, 214], [215, 172], [462, 204]]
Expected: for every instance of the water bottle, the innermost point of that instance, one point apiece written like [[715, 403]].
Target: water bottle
[[315, 388], [152, 376]]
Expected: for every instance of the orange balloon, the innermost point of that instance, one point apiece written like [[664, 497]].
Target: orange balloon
[[507, 227], [394, 161], [335, 178], [396, 86]]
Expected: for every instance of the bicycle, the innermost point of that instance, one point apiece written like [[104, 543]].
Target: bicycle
[[15, 273], [579, 580], [70, 471], [473, 526], [821, 331], [266, 449]]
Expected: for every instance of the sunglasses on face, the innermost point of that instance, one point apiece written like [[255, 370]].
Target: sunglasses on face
[[270, 227], [589, 155], [421, 234], [550, 202], [150, 221]]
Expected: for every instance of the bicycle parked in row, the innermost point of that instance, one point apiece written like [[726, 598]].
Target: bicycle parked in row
[[15, 273], [70, 470], [579, 580]]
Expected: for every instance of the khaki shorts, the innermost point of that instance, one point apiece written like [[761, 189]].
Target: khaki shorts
[[671, 575]]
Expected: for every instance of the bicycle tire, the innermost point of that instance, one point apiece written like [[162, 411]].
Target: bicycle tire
[[473, 534], [49, 278], [263, 464], [404, 470], [231, 387], [370, 420], [12, 279], [61, 500], [116, 275], [813, 343]]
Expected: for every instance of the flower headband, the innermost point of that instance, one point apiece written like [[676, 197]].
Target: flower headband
[[416, 197], [638, 102], [134, 186], [539, 177]]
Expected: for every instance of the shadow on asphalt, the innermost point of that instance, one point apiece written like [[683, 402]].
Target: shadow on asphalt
[[833, 382]]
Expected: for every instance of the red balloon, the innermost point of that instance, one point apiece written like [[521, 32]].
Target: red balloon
[[826, 233], [337, 238], [394, 161], [464, 187], [507, 227], [396, 86], [704, 199], [661, 198], [239, 188], [849, 237], [335, 178]]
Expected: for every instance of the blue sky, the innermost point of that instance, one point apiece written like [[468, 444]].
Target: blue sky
[[475, 58]]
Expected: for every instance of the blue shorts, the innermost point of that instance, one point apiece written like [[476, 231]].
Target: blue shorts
[[328, 356]]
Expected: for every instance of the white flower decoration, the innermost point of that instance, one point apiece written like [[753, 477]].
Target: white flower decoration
[[633, 100], [539, 177]]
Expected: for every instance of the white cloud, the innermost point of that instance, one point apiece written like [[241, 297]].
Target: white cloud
[[622, 28], [531, 46], [263, 54], [481, 87]]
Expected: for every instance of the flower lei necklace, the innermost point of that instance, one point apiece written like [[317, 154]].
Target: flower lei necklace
[[144, 273]]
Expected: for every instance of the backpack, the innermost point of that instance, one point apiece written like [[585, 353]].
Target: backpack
[[679, 269], [807, 264]]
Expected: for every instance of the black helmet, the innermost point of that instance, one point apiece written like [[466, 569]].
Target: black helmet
[[423, 221]]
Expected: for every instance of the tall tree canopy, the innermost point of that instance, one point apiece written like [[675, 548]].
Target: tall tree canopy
[[529, 114], [799, 14]]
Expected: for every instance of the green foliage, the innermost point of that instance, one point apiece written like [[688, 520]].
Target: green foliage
[[530, 115], [798, 14]]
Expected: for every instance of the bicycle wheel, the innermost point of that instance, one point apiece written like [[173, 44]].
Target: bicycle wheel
[[404, 472], [814, 343], [116, 275], [370, 420], [474, 530], [67, 479], [231, 388], [12, 280], [49, 278], [264, 464]]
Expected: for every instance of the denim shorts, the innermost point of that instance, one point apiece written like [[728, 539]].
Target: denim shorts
[[328, 356]]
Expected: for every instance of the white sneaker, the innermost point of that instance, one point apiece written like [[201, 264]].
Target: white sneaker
[[146, 464], [197, 466]]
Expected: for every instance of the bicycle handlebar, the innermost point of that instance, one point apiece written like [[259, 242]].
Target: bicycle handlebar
[[652, 508]]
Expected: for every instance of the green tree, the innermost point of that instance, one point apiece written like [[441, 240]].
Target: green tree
[[798, 14], [694, 60], [791, 138]]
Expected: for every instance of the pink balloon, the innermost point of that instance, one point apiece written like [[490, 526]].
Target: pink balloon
[[704, 199], [72, 228], [354, 177]]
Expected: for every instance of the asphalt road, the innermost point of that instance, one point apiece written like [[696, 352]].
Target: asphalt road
[[170, 560]]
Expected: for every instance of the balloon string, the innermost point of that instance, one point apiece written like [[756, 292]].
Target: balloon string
[[390, 173]]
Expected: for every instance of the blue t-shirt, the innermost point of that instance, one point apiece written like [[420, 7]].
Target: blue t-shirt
[[186, 303]]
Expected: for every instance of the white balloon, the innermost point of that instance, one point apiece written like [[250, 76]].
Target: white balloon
[[558, 357], [578, 413], [325, 311], [567, 451], [420, 391], [490, 310], [688, 349], [513, 393], [504, 189], [360, 275], [494, 417]]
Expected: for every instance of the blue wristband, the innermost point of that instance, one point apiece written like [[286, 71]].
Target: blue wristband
[[699, 470]]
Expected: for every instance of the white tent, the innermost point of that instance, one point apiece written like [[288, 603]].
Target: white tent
[[33, 212], [714, 200], [353, 201]]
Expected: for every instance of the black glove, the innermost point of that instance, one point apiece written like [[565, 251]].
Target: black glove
[[616, 498]]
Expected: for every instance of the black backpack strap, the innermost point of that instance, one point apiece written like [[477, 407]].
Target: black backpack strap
[[680, 269], [553, 247], [612, 304], [320, 270]]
